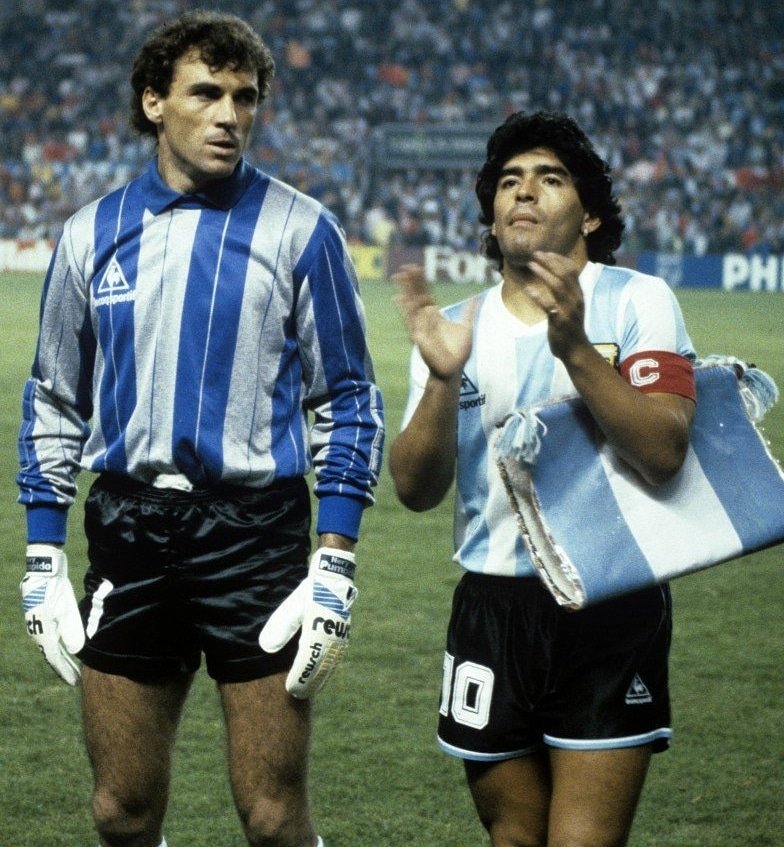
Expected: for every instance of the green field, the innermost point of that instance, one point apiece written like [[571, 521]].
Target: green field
[[377, 776]]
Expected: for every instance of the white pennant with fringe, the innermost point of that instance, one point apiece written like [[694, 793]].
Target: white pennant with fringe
[[595, 529]]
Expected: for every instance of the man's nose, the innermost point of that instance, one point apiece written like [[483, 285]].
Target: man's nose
[[227, 112], [526, 189]]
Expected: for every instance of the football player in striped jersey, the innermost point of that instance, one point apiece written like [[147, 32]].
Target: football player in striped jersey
[[202, 347], [554, 713]]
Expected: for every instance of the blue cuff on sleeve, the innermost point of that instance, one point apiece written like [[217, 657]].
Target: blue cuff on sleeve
[[46, 524], [340, 515]]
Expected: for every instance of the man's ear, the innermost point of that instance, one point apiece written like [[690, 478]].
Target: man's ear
[[152, 103], [590, 224]]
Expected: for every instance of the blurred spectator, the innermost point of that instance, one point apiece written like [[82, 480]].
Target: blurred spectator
[[380, 225], [686, 99]]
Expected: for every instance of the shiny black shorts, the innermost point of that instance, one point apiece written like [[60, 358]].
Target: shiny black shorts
[[521, 672], [176, 574]]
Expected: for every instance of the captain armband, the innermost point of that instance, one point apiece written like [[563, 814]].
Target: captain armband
[[660, 371]]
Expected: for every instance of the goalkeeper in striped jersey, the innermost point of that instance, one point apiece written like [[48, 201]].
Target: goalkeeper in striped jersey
[[202, 347]]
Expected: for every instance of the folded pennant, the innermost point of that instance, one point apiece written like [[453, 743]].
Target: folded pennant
[[595, 529]]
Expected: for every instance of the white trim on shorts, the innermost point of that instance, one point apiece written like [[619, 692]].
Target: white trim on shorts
[[560, 744], [609, 743], [473, 756]]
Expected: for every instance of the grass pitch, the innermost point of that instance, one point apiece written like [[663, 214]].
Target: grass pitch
[[377, 776]]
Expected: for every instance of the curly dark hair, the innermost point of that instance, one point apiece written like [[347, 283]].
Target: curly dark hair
[[222, 40], [559, 133]]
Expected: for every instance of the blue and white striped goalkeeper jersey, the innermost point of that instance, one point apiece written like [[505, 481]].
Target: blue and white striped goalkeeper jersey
[[511, 366], [192, 334]]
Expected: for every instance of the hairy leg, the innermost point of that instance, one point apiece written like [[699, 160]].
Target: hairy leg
[[595, 795], [129, 730], [269, 739], [512, 799]]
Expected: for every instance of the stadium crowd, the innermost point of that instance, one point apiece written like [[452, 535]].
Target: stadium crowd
[[686, 100]]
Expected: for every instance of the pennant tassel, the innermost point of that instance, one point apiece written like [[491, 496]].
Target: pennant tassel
[[520, 438]]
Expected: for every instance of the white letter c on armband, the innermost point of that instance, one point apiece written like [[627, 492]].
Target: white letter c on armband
[[644, 372]]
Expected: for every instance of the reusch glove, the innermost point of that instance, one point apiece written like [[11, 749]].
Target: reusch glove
[[321, 606], [50, 609]]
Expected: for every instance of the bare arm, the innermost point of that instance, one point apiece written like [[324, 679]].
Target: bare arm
[[422, 457], [649, 431], [338, 542]]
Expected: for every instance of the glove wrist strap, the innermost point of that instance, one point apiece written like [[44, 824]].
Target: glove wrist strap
[[46, 560], [334, 561]]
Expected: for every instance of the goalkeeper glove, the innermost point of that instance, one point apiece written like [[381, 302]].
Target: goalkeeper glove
[[50, 609], [321, 607]]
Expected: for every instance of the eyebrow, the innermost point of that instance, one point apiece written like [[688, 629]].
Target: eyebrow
[[539, 170], [206, 87]]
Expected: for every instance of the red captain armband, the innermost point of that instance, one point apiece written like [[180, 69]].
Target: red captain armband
[[660, 371]]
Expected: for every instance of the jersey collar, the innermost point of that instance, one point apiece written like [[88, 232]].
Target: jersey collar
[[221, 193]]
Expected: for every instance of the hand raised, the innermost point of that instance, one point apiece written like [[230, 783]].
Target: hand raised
[[444, 345], [555, 287]]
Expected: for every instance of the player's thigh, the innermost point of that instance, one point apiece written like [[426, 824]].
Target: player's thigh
[[269, 741], [595, 795], [129, 730], [512, 799]]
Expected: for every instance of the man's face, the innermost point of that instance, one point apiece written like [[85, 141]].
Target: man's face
[[536, 207], [204, 122]]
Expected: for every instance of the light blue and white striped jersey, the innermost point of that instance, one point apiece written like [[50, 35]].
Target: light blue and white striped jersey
[[192, 334], [510, 367]]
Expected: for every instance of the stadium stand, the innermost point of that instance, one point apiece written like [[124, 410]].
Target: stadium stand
[[685, 99]]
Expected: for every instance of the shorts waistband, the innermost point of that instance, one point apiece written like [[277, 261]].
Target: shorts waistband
[[122, 484], [501, 584]]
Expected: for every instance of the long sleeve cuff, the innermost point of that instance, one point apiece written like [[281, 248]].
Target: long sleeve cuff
[[341, 515], [46, 524]]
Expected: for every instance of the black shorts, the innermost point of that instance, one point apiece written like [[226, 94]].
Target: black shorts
[[175, 574], [520, 671]]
